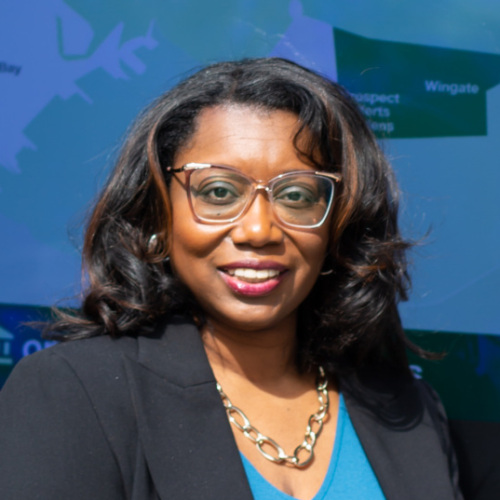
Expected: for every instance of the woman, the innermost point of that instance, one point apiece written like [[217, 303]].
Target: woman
[[239, 335]]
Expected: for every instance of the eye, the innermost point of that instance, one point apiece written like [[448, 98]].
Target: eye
[[216, 192], [296, 196]]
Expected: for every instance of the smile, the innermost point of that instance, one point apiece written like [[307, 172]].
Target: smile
[[253, 280]]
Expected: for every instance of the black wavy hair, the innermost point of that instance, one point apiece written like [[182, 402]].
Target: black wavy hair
[[350, 318]]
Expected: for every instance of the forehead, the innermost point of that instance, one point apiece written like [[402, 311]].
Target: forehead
[[258, 142]]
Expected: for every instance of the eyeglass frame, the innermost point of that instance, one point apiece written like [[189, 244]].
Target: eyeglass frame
[[257, 185]]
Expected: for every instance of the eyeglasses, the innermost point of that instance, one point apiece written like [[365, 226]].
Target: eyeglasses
[[218, 194]]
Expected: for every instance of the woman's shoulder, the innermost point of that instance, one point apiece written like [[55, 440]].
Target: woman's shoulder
[[93, 355], [72, 404], [100, 363], [80, 384], [81, 373], [98, 353]]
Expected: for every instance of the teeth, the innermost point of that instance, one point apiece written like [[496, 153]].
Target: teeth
[[254, 274]]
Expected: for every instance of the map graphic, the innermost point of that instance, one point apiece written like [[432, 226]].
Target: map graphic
[[56, 57]]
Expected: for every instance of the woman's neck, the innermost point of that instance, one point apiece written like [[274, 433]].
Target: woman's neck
[[260, 356]]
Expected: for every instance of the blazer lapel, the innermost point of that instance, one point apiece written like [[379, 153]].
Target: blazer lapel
[[182, 424], [400, 441]]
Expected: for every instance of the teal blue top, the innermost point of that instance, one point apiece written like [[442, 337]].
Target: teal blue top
[[349, 476]]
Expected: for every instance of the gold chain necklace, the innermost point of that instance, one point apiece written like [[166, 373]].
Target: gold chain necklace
[[313, 429]]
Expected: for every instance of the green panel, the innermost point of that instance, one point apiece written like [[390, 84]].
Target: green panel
[[409, 90], [468, 376]]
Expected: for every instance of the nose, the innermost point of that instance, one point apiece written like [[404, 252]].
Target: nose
[[258, 227]]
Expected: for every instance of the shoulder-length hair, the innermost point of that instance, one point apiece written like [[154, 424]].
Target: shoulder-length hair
[[350, 317]]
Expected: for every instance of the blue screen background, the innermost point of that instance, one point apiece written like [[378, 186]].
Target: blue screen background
[[74, 74]]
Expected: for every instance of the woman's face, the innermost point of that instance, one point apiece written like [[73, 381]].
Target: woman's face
[[253, 273]]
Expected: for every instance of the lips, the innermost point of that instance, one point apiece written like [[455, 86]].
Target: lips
[[253, 278]]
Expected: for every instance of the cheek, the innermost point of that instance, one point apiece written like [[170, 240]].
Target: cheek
[[193, 246], [314, 247], [314, 263], [188, 239], [309, 250], [317, 256]]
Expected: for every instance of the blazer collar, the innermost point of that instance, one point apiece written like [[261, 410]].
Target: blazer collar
[[175, 353], [182, 425]]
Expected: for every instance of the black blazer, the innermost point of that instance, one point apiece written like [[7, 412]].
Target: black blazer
[[140, 418]]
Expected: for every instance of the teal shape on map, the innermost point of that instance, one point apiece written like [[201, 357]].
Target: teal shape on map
[[409, 90]]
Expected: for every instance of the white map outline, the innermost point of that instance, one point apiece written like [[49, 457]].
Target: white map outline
[[49, 42]]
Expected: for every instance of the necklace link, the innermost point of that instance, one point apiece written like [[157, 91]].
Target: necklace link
[[278, 456]]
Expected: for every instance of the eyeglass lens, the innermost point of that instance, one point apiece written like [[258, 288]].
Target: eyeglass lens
[[220, 195]]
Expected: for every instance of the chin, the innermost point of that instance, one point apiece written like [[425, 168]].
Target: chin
[[251, 318]]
